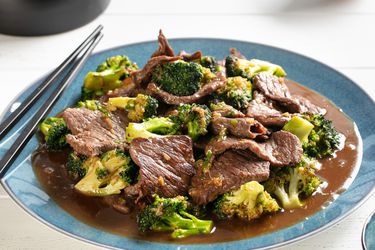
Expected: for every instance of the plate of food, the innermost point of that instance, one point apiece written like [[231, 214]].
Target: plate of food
[[197, 143]]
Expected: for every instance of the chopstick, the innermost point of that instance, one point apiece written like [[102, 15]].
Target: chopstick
[[12, 119], [32, 125]]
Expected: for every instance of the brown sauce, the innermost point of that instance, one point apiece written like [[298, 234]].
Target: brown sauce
[[336, 171]]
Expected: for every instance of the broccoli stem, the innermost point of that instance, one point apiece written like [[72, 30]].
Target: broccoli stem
[[188, 226], [299, 127], [121, 102], [291, 199], [294, 200], [184, 225], [204, 226]]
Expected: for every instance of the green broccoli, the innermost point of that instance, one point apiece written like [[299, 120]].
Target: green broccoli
[[209, 62], [152, 127], [248, 202], [299, 127], [205, 163], [93, 105], [170, 214], [226, 110], [138, 108], [119, 61], [323, 139], [107, 174], [248, 68], [237, 92], [179, 78], [193, 118], [54, 130], [291, 184], [74, 165], [109, 75]]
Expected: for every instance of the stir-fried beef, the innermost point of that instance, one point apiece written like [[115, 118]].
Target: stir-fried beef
[[190, 57], [228, 111], [129, 88], [168, 98], [240, 127], [93, 132], [229, 171], [266, 112], [236, 53], [275, 89], [307, 107], [143, 76], [164, 48], [166, 164], [282, 149]]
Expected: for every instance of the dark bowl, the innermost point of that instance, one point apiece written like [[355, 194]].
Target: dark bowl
[[44, 17]]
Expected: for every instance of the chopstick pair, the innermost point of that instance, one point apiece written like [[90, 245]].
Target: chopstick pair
[[31, 127]]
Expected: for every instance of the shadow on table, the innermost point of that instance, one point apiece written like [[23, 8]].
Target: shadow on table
[[299, 5]]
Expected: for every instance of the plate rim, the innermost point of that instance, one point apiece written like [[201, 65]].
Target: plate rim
[[363, 234], [284, 243]]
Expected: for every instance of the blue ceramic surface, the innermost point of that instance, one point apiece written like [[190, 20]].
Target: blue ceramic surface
[[22, 185], [368, 234]]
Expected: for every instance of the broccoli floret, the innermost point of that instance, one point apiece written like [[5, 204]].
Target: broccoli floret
[[299, 127], [225, 110], [138, 108], [152, 127], [93, 105], [209, 62], [179, 78], [248, 202], [291, 184], [237, 92], [248, 68], [109, 75], [120, 61], [74, 166], [54, 130], [323, 139], [107, 174], [170, 214], [193, 118]]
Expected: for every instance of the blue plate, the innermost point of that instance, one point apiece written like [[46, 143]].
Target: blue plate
[[368, 234], [22, 185]]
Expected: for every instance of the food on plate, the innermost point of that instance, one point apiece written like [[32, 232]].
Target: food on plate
[[191, 146]]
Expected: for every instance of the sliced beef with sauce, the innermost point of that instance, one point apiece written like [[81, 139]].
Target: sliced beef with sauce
[[143, 76], [164, 48], [228, 171], [228, 111], [204, 91], [266, 112], [275, 88], [93, 132], [129, 88], [166, 165], [190, 57], [282, 149], [240, 127]]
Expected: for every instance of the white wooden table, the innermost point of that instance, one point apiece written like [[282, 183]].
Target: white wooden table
[[338, 33]]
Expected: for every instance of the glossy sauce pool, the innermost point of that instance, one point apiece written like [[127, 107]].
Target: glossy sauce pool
[[337, 172]]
